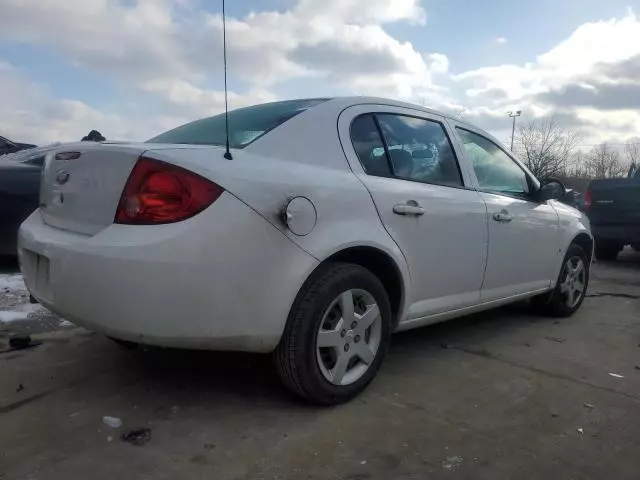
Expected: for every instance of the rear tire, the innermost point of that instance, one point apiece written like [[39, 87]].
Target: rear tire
[[607, 249], [571, 286], [341, 317]]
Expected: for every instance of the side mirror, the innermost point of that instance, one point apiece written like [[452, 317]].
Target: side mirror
[[551, 189]]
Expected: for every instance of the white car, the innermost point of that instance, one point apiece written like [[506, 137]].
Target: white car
[[330, 224]]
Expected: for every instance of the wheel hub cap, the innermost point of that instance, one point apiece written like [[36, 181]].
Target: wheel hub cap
[[348, 337], [573, 284]]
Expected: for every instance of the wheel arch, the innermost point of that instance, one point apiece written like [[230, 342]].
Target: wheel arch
[[393, 276], [585, 241]]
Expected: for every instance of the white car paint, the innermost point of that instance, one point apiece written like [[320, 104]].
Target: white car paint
[[226, 279], [452, 228]]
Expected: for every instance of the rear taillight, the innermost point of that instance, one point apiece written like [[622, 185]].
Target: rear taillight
[[158, 192], [587, 200]]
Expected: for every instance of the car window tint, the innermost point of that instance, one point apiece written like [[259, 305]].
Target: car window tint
[[369, 147], [495, 170], [245, 124], [419, 150]]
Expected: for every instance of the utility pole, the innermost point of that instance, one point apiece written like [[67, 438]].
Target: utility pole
[[513, 115]]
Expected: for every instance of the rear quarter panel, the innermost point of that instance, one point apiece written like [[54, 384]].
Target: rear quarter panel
[[303, 157]]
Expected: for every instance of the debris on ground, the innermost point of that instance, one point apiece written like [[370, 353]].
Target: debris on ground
[[637, 367], [588, 405], [20, 388], [113, 422], [581, 431], [554, 415], [363, 462], [453, 462], [138, 437], [616, 375], [21, 341], [556, 339]]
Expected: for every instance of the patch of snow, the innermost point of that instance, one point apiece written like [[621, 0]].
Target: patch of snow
[[12, 283], [65, 323], [21, 312], [11, 316]]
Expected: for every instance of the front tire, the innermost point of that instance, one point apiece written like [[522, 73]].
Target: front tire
[[571, 287], [336, 336]]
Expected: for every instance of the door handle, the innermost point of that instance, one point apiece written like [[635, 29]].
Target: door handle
[[502, 216], [409, 208]]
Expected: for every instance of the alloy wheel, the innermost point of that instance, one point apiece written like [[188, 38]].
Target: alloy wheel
[[572, 285], [348, 337]]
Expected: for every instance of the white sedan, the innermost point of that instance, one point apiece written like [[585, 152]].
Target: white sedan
[[330, 224]]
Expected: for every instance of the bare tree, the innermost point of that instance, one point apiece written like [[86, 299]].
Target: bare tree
[[575, 167], [546, 147], [632, 153], [604, 162]]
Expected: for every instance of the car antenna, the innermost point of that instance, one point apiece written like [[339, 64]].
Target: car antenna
[[227, 153]]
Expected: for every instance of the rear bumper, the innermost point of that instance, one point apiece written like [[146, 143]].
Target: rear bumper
[[625, 233], [223, 280]]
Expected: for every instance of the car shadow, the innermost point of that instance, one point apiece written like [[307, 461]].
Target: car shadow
[[239, 378]]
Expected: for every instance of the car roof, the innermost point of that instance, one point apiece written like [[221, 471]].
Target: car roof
[[345, 102], [341, 103]]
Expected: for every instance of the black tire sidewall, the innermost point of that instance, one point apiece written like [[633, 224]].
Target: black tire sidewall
[[336, 280]]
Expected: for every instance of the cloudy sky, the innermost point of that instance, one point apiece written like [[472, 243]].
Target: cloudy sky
[[133, 68]]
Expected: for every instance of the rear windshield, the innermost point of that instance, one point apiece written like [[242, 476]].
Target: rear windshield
[[245, 124]]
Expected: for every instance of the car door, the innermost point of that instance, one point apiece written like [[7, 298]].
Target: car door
[[407, 162], [523, 233]]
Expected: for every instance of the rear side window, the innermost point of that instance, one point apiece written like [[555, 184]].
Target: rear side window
[[410, 148], [419, 150], [245, 124], [369, 147]]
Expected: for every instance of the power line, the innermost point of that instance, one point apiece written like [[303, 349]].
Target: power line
[[608, 144]]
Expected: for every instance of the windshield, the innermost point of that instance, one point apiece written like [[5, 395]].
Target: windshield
[[245, 124]]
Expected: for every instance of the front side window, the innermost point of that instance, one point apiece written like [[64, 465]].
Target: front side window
[[494, 169], [245, 124], [419, 150]]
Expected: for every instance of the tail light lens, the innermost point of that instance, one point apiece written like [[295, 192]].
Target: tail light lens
[[158, 192], [587, 199]]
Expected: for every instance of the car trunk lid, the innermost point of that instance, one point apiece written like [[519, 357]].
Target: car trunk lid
[[81, 184]]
